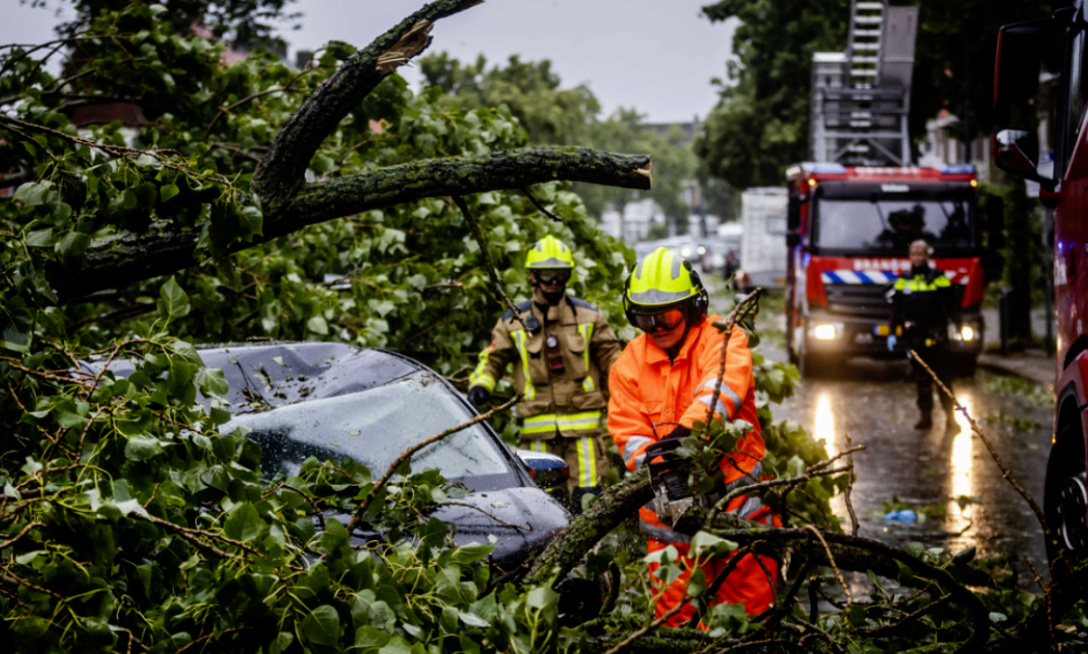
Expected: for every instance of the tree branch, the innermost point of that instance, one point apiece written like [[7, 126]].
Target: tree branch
[[346, 196], [281, 173], [124, 259], [585, 530], [485, 253]]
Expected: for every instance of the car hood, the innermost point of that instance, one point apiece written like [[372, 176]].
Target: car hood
[[518, 522]]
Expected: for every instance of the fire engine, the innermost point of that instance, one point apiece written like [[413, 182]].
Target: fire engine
[[849, 230], [1060, 117], [853, 213]]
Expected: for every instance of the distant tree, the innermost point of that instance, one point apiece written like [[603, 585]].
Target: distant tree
[[551, 114], [247, 23]]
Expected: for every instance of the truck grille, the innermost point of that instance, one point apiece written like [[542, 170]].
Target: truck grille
[[858, 300], [865, 300]]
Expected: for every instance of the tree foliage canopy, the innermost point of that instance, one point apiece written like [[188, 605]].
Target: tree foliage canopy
[[532, 92]]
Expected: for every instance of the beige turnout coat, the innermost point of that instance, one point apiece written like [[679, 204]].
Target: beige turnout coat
[[571, 403]]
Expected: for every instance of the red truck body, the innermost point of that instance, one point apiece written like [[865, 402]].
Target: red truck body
[[849, 232], [1018, 107]]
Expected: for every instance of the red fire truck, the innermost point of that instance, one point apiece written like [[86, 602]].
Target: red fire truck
[[848, 234], [1059, 41]]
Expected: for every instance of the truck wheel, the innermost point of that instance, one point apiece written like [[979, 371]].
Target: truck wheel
[[1065, 499]]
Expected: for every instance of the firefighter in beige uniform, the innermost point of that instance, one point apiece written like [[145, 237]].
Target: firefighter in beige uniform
[[561, 356]]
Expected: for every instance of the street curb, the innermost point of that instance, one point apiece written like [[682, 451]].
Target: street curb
[[1005, 366]]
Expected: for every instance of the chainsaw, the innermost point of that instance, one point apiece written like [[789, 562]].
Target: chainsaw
[[669, 479]]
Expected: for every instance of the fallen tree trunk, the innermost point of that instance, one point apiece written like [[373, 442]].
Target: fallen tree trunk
[[122, 260], [586, 530]]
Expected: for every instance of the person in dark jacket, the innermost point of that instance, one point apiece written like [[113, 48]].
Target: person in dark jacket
[[923, 304]]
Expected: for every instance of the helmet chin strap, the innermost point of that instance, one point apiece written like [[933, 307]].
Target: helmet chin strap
[[554, 298]]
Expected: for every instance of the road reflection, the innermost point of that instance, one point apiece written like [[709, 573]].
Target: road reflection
[[961, 468], [824, 430], [824, 424]]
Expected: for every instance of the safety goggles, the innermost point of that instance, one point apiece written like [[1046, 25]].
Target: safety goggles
[[549, 277], [659, 322]]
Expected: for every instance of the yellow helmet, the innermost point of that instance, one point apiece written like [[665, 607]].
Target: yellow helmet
[[661, 279], [549, 252]]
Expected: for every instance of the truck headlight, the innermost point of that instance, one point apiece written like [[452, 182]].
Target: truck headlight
[[825, 332], [967, 333]]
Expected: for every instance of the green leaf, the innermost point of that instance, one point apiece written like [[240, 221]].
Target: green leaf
[[211, 381], [62, 212], [34, 193], [174, 303], [74, 244], [147, 161], [473, 620], [396, 646], [318, 325], [322, 626], [142, 448], [250, 223], [167, 193], [41, 238], [282, 641], [244, 523]]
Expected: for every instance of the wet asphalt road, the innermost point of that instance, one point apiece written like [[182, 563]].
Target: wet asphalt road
[[875, 403]]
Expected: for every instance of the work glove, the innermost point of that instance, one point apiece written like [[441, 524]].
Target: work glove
[[891, 342], [679, 432], [478, 395]]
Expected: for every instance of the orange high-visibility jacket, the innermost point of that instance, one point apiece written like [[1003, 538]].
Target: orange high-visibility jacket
[[649, 393]]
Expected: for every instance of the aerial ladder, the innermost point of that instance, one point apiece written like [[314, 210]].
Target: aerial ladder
[[861, 96]]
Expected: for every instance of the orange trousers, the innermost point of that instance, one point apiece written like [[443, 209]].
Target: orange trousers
[[747, 583]]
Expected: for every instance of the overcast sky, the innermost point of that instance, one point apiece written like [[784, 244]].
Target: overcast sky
[[655, 55]]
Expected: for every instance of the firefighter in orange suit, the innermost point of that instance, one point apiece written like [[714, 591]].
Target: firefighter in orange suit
[[661, 385]]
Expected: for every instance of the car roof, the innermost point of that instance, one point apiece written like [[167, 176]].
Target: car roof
[[278, 374]]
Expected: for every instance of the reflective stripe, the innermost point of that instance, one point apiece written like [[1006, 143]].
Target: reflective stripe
[[919, 284], [586, 330], [519, 340], [662, 533], [712, 403], [750, 478], [538, 446], [726, 389], [587, 462], [542, 424], [579, 421], [479, 376], [750, 506], [632, 446]]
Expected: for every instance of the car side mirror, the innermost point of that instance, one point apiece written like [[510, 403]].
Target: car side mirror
[[793, 239], [547, 470]]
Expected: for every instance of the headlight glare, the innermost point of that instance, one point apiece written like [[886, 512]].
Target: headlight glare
[[825, 332]]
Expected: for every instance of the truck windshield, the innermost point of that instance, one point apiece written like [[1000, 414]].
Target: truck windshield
[[869, 224]]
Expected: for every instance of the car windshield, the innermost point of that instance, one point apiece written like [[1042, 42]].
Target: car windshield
[[374, 428], [863, 224]]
